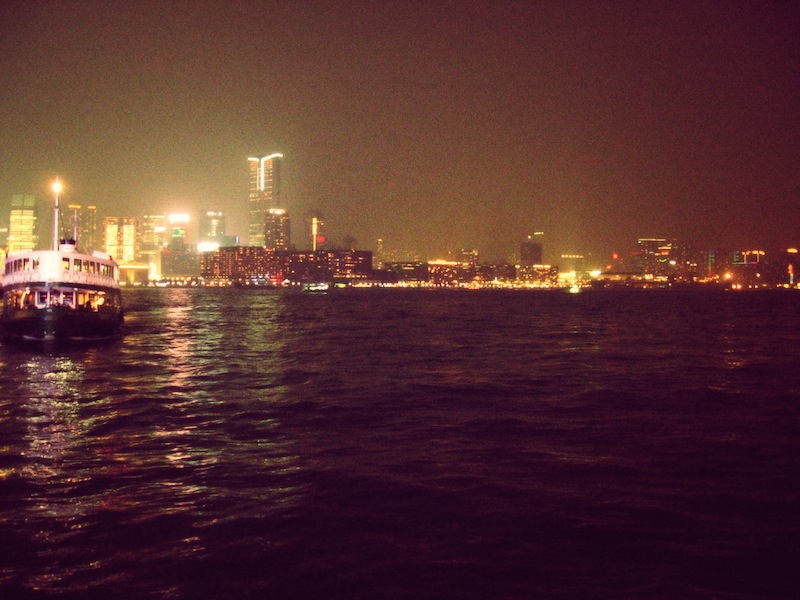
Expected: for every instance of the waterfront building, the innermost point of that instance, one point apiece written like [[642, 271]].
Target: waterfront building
[[538, 275], [242, 264], [467, 256], [277, 231], [409, 271], [450, 272], [120, 239], [22, 224], [490, 272], [265, 193], [256, 265], [350, 264]]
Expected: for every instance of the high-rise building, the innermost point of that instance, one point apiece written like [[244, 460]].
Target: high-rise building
[[22, 224], [178, 231], [531, 250], [179, 259], [265, 193], [154, 234], [212, 226], [120, 239], [153, 238], [212, 231], [80, 222], [277, 230]]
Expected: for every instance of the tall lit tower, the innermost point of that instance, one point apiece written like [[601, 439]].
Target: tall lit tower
[[265, 193], [22, 224], [120, 238]]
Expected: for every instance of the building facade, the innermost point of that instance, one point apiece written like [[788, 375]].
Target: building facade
[[22, 224], [120, 239], [212, 230], [265, 193], [80, 223], [277, 231], [255, 265], [530, 251]]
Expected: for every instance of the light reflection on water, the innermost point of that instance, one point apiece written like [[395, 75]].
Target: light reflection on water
[[263, 441], [159, 425]]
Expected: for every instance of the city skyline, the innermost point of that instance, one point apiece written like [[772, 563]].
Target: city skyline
[[206, 230], [430, 127]]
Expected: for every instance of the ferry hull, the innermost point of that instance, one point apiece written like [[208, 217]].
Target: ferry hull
[[61, 325]]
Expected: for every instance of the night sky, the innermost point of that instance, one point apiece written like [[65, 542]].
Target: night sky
[[434, 125]]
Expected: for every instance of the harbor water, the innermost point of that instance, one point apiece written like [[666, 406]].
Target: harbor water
[[409, 444]]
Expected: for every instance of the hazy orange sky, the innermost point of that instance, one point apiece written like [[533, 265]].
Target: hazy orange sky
[[433, 125]]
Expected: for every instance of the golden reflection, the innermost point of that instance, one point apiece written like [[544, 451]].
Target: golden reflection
[[52, 386]]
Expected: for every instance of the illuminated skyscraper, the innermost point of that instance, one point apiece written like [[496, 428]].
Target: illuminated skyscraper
[[277, 230], [120, 239], [22, 234], [155, 235], [265, 193]]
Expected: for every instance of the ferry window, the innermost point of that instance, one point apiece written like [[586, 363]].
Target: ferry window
[[35, 263], [76, 264], [25, 263], [41, 298], [65, 263]]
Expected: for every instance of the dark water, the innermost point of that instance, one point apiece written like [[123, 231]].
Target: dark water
[[409, 444]]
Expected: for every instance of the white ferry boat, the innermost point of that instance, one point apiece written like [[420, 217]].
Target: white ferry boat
[[61, 294]]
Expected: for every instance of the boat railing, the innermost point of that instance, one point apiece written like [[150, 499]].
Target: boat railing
[[75, 277]]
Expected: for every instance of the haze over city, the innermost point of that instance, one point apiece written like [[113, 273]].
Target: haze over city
[[433, 126]]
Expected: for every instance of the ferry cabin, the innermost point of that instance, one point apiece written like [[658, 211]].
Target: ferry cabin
[[61, 294], [42, 279]]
